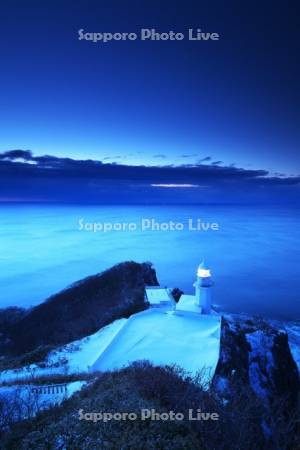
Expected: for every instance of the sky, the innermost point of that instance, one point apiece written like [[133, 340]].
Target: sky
[[205, 114]]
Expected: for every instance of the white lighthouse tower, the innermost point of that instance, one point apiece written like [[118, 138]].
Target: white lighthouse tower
[[202, 286]]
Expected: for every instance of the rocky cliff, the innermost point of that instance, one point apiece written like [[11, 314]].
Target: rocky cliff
[[257, 356]]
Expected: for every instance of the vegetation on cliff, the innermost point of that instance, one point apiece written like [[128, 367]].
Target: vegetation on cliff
[[162, 389], [79, 310]]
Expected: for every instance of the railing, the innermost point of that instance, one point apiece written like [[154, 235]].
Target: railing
[[50, 389]]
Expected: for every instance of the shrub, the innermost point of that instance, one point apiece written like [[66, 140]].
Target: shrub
[[164, 389]]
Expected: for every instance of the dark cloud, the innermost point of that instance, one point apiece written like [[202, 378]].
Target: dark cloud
[[207, 158], [110, 158], [217, 163], [161, 156], [188, 156], [16, 154], [65, 179]]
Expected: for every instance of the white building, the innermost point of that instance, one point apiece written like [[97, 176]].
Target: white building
[[159, 297], [199, 303]]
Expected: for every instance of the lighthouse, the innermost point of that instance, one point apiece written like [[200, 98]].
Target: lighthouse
[[202, 286]]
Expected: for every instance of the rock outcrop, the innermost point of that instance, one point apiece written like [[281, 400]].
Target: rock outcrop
[[257, 356]]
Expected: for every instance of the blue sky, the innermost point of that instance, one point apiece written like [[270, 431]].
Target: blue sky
[[234, 101]]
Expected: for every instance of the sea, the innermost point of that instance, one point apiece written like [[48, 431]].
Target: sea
[[253, 252]]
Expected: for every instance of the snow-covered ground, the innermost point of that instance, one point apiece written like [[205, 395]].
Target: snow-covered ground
[[191, 341], [81, 355], [72, 358]]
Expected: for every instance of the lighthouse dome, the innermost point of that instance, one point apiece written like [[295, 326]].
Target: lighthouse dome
[[203, 271]]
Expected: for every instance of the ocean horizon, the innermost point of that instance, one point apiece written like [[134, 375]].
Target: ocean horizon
[[251, 250]]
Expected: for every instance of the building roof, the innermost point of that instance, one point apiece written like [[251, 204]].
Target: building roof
[[156, 295], [188, 303]]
